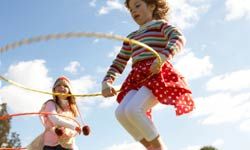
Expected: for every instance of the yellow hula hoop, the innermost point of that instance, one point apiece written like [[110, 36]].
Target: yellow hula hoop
[[66, 36]]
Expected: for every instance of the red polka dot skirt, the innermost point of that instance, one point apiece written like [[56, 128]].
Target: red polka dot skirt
[[168, 86]]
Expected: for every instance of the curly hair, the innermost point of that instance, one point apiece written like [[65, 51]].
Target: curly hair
[[161, 8]]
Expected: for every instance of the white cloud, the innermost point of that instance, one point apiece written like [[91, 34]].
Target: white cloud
[[107, 102], [222, 108], [186, 13], [245, 125], [197, 1], [159, 107], [193, 67], [32, 74], [234, 81], [126, 146], [194, 147], [29, 73], [83, 85], [237, 9], [218, 143], [19, 100], [111, 5], [72, 67]]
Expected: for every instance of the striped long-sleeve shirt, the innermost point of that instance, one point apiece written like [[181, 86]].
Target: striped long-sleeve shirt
[[159, 35]]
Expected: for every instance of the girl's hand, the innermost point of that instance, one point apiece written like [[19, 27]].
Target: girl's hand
[[155, 68], [78, 130], [59, 131], [107, 89]]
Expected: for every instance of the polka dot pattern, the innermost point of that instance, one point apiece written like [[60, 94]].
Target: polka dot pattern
[[168, 86]]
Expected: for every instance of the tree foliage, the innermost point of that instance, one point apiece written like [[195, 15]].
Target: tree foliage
[[7, 139], [208, 148]]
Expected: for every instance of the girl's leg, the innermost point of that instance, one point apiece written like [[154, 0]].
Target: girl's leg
[[157, 144], [135, 111], [122, 118], [146, 144]]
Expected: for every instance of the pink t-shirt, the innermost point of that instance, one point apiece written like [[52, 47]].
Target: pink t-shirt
[[52, 121]]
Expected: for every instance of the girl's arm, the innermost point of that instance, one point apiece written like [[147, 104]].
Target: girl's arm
[[119, 63], [58, 120], [175, 40]]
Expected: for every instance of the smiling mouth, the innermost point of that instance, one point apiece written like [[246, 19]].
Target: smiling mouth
[[136, 16], [61, 91]]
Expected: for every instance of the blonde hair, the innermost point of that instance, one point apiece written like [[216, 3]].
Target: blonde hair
[[161, 10], [71, 99]]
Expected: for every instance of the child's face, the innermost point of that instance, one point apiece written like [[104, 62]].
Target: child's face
[[61, 87], [140, 11]]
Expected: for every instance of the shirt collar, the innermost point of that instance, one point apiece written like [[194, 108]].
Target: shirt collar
[[64, 103], [147, 24]]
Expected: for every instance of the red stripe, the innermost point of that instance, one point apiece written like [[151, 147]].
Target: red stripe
[[153, 35]]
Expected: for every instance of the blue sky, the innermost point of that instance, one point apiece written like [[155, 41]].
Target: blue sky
[[215, 61]]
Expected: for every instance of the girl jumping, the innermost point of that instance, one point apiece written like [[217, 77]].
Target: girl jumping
[[167, 86]]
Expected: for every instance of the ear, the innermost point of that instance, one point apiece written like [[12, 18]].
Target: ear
[[152, 7]]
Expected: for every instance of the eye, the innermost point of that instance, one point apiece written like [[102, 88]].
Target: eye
[[62, 85], [137, 5]]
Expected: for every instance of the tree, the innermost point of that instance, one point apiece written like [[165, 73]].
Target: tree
[[208, 148], [7, 139]]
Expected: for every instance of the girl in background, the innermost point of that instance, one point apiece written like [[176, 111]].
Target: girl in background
[[60, 132]]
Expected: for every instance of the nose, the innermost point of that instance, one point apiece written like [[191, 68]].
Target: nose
[[133, 14], [132, 11], [61, 88]]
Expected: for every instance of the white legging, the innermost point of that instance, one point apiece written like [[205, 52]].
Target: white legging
[[131, 113]]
